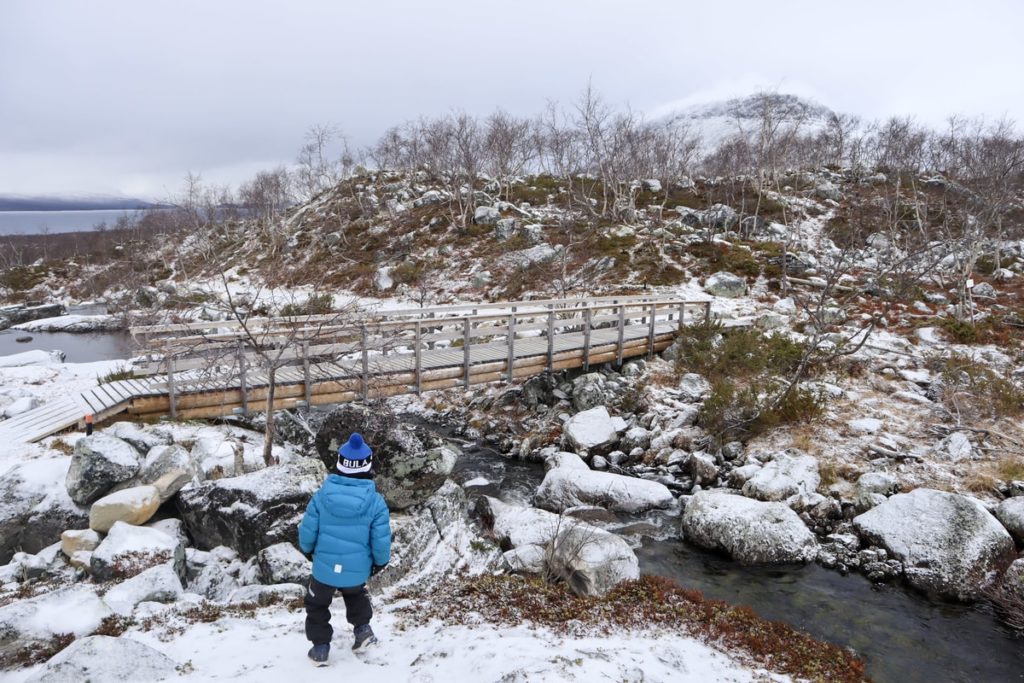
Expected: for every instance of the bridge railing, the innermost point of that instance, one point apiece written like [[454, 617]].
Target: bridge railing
[[212, 357]]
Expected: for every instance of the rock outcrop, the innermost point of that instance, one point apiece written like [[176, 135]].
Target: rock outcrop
[[100, 462]]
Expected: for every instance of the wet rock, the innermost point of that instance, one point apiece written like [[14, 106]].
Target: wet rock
[[99, 463], [283, 563], [250, 512], [750, 531], [105, 658], [948, 544]]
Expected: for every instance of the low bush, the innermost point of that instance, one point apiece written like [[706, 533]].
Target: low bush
[[315, 304], [976, 390]]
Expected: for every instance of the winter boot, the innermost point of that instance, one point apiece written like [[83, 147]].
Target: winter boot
[[364, 638], [318, 654]]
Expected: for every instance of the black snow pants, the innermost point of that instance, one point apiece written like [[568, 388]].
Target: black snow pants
[[318, 609]]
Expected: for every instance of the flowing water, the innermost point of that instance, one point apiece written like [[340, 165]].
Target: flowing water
[[902, 635]]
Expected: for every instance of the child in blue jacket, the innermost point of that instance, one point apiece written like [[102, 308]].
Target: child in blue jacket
[[347, 527]]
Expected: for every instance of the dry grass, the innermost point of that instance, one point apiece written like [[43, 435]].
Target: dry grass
[[642, 604]]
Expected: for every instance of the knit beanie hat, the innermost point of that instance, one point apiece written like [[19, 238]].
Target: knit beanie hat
[[355, 457]]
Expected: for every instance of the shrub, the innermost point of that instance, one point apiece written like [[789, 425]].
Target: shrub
[[315, 304], [721, 257], [22, 278], [116, 375], [968, 384]]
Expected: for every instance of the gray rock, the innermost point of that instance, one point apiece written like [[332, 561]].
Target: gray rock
[[505, 229], [283, 563], [410, 463], [750, 531], [99, 463], [948, 544], [142, 438], [105, 658], [1011, 514], [162, 459], [984, 290], [486, 215], [719, 217], [702, 468], [591, 390], [786, 475], [693, 388], [156, 584], [873, 488], [725, 285], [637, 437], [250, 512], [214, 583]]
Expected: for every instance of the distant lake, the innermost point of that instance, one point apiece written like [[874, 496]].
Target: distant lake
[[36, 222]]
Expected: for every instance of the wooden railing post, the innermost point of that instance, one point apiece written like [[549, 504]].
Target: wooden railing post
[[242, 390], [586, 339], [169, 355], [366, 364], [465, 351], [650, 336], [419, 359], [511, 344], [622, 331], [682, 314], [707, 312], [306, 383], [551, 338]]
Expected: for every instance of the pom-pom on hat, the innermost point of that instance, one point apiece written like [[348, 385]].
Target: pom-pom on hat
[[354, 456]]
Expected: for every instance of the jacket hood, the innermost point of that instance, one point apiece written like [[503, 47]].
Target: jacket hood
[[349, 495]]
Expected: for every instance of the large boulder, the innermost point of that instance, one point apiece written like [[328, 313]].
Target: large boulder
[[130, 550], [30, 490], [786, 475], [948, 544], [1011, 513], [134, 506], [589, 559], [591, 390], [100, 462], [566, 487], [163, 459], [590, 430], [725, 285], [283, 563], [74, 610], [410, 463], [156, 584], [105, 658], [750, 531], [252, 511]]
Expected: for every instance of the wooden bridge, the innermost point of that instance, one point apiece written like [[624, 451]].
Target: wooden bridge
[[214, 369]]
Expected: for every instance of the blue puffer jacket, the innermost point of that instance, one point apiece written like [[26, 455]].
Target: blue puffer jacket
[[347, 527]]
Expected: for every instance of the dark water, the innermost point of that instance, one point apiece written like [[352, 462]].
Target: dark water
[[78, 348], [38, 222], [902, 635]]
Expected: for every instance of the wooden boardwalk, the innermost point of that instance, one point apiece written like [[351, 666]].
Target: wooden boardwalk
[[410, 351]]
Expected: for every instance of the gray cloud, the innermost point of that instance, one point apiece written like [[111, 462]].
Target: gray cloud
[[125, 96]]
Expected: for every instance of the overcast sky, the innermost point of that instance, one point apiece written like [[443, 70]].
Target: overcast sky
[[112, 96]]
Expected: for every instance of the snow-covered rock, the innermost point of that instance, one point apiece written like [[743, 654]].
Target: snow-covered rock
[[565, 459], [35, 357], [590, 559], [786, 475], [984, 290], [105, 658], [567, 487], [33, 503], [947, 543], [486, 215], [134, 506], [873, 488], [865, 425], [214, 583], [590, 430], [99, 463], [590, 391], [267, 595], [1011, 514], [156, 584], [956, 447], [725, 285], [74, 323], [702, 468], [75, 610], [218, 455], [129, 550], [165, 458], [283, 563], [143, 438], [750, 531], [75, 540], [693, 388], [636, 437], [252, 511], [20, 405]]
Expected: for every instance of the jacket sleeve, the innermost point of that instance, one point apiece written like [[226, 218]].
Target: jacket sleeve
[[380, 533], [309, 528]]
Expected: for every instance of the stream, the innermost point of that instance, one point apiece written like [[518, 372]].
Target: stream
[[903, 636]]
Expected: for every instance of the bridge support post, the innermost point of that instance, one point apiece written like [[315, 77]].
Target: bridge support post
[[511, 343], [169, 354], [682, 315], [366, 364], [242, 390], [650, 335], [707, 312], [586, 339], [551, 338], [307, 386], [465, 351], [622, 331], [419, 358]]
